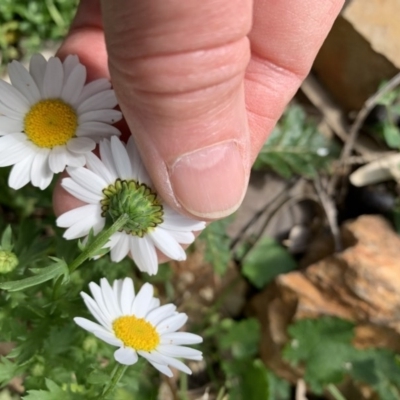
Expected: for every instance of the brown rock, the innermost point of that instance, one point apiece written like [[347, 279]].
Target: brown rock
[[349, 67], [361, 284]]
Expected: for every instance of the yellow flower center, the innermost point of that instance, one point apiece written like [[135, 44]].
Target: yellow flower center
[[50, 123], [136, 333]]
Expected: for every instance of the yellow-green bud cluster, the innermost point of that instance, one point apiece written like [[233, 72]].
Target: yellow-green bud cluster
[[8, 261]]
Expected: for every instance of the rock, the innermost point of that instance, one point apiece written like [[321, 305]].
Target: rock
[[361, 51], [360, 284]]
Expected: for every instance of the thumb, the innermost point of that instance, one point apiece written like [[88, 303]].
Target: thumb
[[177, 68]]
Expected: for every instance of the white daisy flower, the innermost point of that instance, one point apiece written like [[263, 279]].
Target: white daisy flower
[[139, 326], [50, 119], [118, 184]]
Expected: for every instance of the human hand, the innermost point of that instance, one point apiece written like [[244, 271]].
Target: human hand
[[201, 85]]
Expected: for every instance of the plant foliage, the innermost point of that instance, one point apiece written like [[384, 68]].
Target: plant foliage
[[295, 147]]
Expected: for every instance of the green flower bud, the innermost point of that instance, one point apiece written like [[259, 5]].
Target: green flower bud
[[138, 201], [37, 369], [8, 261]]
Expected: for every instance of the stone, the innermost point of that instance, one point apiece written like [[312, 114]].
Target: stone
[[360, 284]]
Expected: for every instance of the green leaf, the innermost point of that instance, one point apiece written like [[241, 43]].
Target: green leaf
[[324, 347], [241, 338], [255, 382], [378, 368], [54, 392], [391, 134], [42, 275], [217, 241], [265, 261], [6, 239], [295, 146], [8, 370]]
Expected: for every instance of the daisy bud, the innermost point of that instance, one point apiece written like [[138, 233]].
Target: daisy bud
[[8, 261]]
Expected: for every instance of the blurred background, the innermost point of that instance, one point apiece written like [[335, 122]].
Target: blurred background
[[298, 294]]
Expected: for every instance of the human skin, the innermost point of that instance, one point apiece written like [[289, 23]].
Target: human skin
[[201, 85]]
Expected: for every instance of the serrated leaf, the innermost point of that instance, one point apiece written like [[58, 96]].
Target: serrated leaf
[[42, 275], [324, 347], [217, 241], [8, 370], [378, 368], [295, 146], [241, 338], [265, 261], [54, 392]]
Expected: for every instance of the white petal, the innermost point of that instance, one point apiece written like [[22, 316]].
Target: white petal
[[180, 352], [167, 244], [74, 159], [10, 140], [121, 158], [37, 69], [110, 300], [94, 87], [98, 331], [88, 325], [162, 368], [82, 228], [139, 171], [81, 145], [97, 294], [121, 248], [155, 303], [98, 101], [126, 356], [97, 130], [97, 166], [20, 174], [153, 357], [144, 254], [70, 62], [71, 217], [179, 365], [14, 99], [107, 158], [140, 305], [175, 221], [23, 81], [161, 313], [96, 311], [9, 112], [108, 338], [41, 174], [79, 192], [107, 116], [179, 236], [15, 153], [10, 125], [53, 79], [172, 323], [179, 338], [88, 179], [58, 159], [74, 84], [127, 295]]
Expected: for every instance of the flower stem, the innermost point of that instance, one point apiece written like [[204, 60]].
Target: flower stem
[[100, 240], [334, 391], [116, 376]]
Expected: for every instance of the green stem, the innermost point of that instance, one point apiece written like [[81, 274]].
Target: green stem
[[116, 376], [221, 393], [100, 240], [334, 391]]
